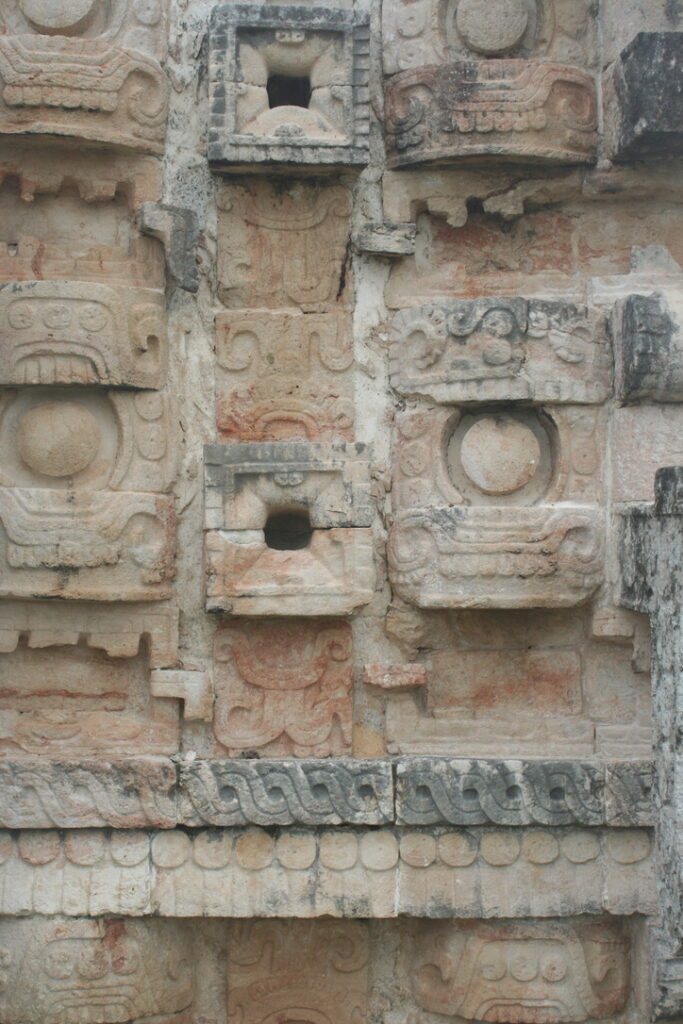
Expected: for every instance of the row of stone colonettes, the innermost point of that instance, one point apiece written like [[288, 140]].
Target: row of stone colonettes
[[339, 349]]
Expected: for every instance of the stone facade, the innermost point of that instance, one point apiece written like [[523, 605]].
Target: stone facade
[[340, 351]]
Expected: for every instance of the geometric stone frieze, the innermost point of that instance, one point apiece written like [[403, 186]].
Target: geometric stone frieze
[[527, 110], [288, 85], [82, 334], [283, 246], [523, 970], [327, 567], [648, 349], [270, 792], [380, 872], [497, 507], [123, 794], [642, 91], [283, 688], [284, 376], [83, 502], [96, 970], [85, 70], [501, 349]]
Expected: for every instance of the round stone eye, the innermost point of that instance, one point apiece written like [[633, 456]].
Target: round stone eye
[[553, 968], [20, 315], [492, 966], [58, 963], [92, 317]]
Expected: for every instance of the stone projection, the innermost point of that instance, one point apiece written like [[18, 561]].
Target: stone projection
[[341, 512]]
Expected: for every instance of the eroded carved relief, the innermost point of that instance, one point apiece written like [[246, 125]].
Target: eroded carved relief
[[95, 970], [501, 349], [512, 108], [285, 376], [505, 515], [289, 85], [288, 529], [284, 687], [303, 970], [282, 247], [88, 70], [529, 971], [648, 349]]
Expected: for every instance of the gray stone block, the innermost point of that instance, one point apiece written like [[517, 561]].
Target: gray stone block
[[648, 350], [274, 792], [178, 229]]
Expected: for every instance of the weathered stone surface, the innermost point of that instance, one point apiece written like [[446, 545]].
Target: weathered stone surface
[[315, 970], [338, 872], [283, 247], [385, 239], [419, 32], [644, 438], [97, 969], [629, 789], [270, 792], [194, 688], [501, 349], [288, 85], [83, 505], [648, 349], [134, 793], [87, 71], [642, 98], [522, 110], [284, 687], [463, 792], [285, 376], [81, 334], [394, 677], [651, 550], [526, 969], [178, 229]]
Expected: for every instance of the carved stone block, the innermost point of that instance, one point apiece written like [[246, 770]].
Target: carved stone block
[[394, 677], [496, 508], [501, 349], [288, 85], [84, 511], [642, 87], [313, 970], [95, 970], [134, 793], [532, 970], [283, 246], [463, 792], [178, 229], [284, 376], [269, 792], [81, 334], [284, 688], [288, 529], [192, 687], [648, 349], [84, 70], [522, 110], [419, 32]]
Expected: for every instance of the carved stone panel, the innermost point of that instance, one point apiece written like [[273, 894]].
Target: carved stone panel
[[420, 32], [95, 969], [84, 509], [528, 971], [284, 376], [284, 688], [497, 508], [288, 85], [288, 529], [501, 349], [298, 970], [511, 108], [84, 334], [87, 70], [283, 246], [648, 349]]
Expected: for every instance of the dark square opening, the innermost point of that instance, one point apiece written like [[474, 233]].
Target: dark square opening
[[288, 91]]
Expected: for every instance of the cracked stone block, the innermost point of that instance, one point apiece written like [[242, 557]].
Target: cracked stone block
[[85, 70], [278, 792], [521, 110], [288, 86], [643, 90], [648, 348]]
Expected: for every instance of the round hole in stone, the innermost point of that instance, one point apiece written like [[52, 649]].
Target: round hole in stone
[[288, 530], [557, 793]]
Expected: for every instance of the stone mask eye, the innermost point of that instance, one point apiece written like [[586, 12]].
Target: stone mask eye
[[553, 968], [492, 967]]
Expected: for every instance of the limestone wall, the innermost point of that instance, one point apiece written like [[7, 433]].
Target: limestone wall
[[339, 349]]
